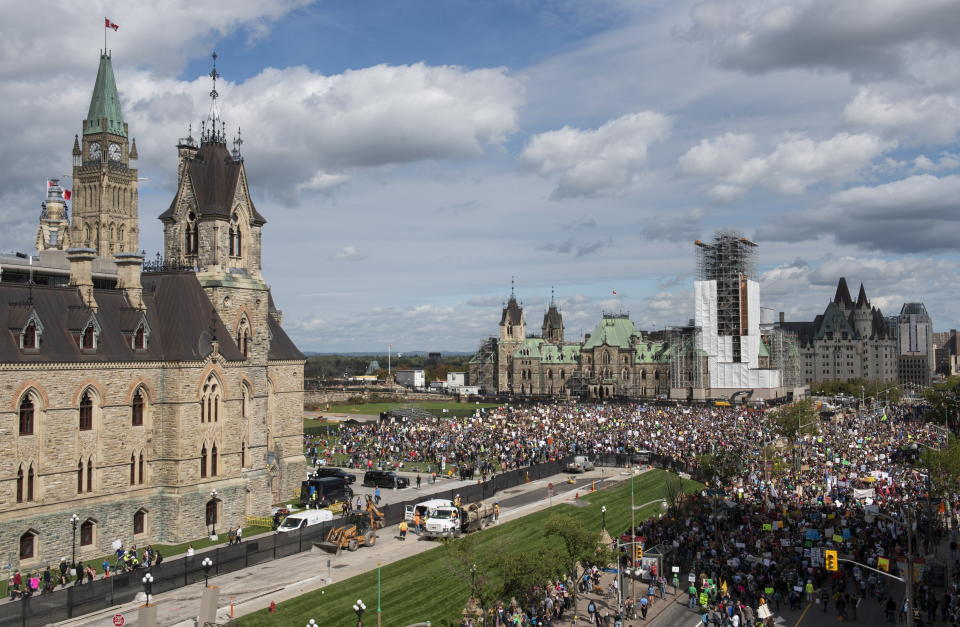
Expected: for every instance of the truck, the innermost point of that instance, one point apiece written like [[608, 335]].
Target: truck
[[424, 508], [450, 521], [580, 463]]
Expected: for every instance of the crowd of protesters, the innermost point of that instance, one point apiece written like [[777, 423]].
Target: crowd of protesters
[[756, 536]]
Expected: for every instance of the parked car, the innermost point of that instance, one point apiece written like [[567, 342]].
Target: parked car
[[308, 518], [329, 490], [580, 463], [335, 472], [384, 479]]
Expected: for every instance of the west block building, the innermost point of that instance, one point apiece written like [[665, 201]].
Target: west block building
[[156, 402]]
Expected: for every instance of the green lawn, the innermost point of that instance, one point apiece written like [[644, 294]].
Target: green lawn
[[424, 587]]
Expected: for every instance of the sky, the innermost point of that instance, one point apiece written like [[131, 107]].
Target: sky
[[412, 158]]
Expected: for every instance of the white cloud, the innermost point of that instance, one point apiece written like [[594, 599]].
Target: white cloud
[[348, 253], [596, 161], [795, 163], [933, 117]]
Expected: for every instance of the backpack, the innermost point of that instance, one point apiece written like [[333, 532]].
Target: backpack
[[591, 608]]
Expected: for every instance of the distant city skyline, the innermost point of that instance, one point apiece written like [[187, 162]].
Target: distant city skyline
[[410, 158]]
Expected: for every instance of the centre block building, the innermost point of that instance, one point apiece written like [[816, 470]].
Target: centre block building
[[156, 402]]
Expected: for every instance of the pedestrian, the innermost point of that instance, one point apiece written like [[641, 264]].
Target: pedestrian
[[418, 480], [416, 522], [644, 607], [496, 512], [239, 536], [403, 530], [376, 495], [592, 610]]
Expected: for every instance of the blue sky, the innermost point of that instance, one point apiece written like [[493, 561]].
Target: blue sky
[[410, 157]]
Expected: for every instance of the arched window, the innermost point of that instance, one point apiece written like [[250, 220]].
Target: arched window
[[30, 477], [30, 335], [210, 400], [231, 235], [136, 413], [139, 521], [133, 468], [211, 512], [27, 545], [20, 484], [606, 357], [86, 533], [243, 336], [191, 239], [244, 400], [89, 339], [26, 416], [140, 338], [140, 465], [213, 461], [80, 477], [89, 474], [236, 249], [203, 462], [86, 412]]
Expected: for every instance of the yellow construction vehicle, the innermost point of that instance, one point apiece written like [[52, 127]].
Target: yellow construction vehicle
[[376, 516], [357, 530]]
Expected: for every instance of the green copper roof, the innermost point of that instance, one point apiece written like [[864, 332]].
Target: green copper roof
[[652, 353], [530, 349], [566, 354], [612, 331], [105, 103]]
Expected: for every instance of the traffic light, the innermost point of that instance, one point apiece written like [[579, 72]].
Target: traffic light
[[830, 560], [637, 552]]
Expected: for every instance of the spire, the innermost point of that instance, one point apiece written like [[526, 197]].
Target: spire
[[133, 150], [842, 297], [512, 295], [104, 114], [213, 128], [862, 298], [76, 146]]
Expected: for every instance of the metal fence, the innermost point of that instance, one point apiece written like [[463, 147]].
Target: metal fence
[[101, 594]]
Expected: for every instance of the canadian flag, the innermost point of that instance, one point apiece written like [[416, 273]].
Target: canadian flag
[[66, 192], [108, 24]]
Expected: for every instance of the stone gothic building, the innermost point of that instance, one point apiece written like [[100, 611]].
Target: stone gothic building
[[157, 402], [614, 360]]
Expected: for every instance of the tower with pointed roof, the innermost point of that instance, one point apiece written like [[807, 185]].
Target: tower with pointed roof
[[105, 215], [513, 330], [552, 330]]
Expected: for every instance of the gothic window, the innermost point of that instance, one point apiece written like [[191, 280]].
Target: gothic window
[[213, 461], [86, 412], [606, 357], [89, 337], [133, 468], [140, 468], [231, 236], [30, 478], [90, 474], [203, 462], [139, 521], [20, 484], [137, 409], [140, 338], [243, 336], [236, 248], [244, 399], [191, 238], [210, 401], [30, 336], [80, 477], [86, 533], [26, 416], [27, 545]]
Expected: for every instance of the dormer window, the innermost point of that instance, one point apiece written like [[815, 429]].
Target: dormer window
[[139, 339], [30, 335], [90, 336]]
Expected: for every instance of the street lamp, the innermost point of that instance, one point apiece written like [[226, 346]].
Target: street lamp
[[311, 623], [147, 585], [603, 517], [207, 564], [73, 521], [359, 608]]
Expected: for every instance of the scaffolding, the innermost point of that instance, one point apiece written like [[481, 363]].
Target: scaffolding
[[785, 356], [730, 261], [686, 360]]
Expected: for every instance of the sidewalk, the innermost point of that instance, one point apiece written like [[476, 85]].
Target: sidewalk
[[255, 588]]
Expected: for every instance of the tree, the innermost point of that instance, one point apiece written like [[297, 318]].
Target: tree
[[798, 418], [524, 570], [580, 545], [944, 466], [467, 562], [673, 488], [721, 465], [944, 399]]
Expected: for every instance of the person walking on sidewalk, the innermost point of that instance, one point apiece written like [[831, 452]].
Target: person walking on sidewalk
[[418, 480], [403, 530], [376, 495]]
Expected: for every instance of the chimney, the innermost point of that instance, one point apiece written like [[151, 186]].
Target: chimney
[[781, 317], [81, 273], [128, 277]]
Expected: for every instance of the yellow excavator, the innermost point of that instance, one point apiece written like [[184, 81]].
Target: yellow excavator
[[359, 529]]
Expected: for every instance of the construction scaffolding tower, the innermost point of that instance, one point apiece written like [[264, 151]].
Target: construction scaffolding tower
[[686, 360], [730, 260], [785, 356]]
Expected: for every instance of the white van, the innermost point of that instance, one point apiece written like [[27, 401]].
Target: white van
[[424, 508], [306, 518]]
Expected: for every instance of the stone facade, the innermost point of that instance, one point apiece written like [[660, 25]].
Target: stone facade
[[183, 415]]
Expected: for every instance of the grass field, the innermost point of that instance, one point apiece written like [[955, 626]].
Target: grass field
[[424, 587]]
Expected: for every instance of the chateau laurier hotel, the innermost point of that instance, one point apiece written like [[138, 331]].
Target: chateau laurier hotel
[[153, 401]]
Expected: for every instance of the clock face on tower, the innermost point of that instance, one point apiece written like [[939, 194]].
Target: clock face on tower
[[94, 150], [114, 152]]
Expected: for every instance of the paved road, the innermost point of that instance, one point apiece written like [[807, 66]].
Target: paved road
[[254, 588]]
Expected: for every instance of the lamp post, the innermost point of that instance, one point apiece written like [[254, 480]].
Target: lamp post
[[359, 608], [908, 576], [207, 564], [603, 517], [147, 585], [73, 558], [311, 623]]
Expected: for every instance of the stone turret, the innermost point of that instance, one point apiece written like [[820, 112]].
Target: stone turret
[[862, 316]]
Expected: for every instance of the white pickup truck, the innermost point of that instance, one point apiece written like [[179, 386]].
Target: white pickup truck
[[452, 521], [580, 463], [425, 508]]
